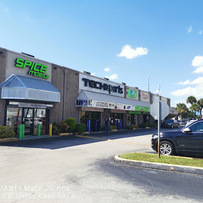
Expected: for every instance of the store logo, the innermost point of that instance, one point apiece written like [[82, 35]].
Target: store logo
[[35, 69], [102, 86]]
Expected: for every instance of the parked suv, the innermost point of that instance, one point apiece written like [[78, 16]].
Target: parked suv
[[171, 123], [189, 139]]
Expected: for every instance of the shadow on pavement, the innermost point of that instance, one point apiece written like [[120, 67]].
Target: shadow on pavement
[[69, 141]]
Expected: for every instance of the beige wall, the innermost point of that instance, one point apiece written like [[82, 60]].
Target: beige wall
[[67, 82]]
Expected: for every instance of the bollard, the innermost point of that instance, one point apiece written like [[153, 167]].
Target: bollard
[[50, 129], [38, 129], [23, 130], [19, 132]]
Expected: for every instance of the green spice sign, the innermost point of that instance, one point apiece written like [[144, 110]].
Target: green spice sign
[[35, 69], [132, 94], [142, 108]]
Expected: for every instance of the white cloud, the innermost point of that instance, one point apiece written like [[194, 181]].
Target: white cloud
[[187, 82], [194, 82], [131, 53], [106, 69], [185, 92], [189, 29], [195, 87], [197, 61], [198, 70], [112, 77]]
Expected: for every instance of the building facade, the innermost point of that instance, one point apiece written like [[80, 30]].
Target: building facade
[[34, 91]]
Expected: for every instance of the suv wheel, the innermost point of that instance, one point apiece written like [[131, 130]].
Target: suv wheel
[[166, 148]]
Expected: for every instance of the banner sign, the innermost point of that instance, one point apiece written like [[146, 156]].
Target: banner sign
[[104, 105], [145, 96], [142, 108], [132, 94]]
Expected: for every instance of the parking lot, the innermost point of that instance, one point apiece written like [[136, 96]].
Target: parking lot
[[81, 169]]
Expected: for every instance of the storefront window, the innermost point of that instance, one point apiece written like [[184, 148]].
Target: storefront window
[[116, 119], [13, 117], [29, 116], [93, 117]]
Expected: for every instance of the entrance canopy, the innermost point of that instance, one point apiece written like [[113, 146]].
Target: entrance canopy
[[96, 100], [173, 111], [18, 87]]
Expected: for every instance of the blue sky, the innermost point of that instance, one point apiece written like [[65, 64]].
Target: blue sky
[[124, 40]]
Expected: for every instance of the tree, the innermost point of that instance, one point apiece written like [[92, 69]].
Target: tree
[[195, 107], [200, 102], [191, 100], [181, 108]]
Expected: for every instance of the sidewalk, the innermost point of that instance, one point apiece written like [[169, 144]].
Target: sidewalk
[[98, 133]]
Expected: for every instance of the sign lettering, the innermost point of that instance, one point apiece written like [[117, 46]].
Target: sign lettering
[[102, 86], [35, 69]]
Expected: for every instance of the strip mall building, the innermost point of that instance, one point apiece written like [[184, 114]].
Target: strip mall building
[[34, 91]]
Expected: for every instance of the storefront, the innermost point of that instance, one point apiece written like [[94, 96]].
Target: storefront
[[33, 92], [101, 100], [27, 93]]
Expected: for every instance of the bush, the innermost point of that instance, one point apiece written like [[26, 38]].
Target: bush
[[71, 123], [143, 125], [6, 132], [131, 127], [55, 128], [80, 128], [112, 127], [63, 127]]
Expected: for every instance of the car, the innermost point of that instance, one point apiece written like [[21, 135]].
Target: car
[[189, 122], [171, 123], [187, 140]]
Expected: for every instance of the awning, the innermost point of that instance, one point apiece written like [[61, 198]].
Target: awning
[[173, 111], [18, 87], [92, 99]]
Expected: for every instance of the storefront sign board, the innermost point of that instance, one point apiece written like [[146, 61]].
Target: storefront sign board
[[94, 84], [145, 96], [132, 94]]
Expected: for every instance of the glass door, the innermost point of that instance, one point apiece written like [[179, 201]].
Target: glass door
[[40, 118], [28, 120]]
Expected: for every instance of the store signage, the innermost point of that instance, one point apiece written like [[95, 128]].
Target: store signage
[[102, 86], [101, 104], [132, 94], [145, 96], [142, 108], [35, 69], [135, 112], [99, 85]]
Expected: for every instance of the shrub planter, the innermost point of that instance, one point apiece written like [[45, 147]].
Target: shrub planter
[[114, 130], [85, 133], [65, 134], [8, 139]]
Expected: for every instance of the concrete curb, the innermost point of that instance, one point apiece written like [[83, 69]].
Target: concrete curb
[[158, 166]]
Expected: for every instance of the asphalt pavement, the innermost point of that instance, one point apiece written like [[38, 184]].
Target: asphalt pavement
[[81, 169]]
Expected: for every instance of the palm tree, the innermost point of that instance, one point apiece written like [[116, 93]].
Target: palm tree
[[200, 102], [181, 108], [195, 107], [191, 100]]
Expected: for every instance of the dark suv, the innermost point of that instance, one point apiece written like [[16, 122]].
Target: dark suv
[[189, 139], [171, 124]]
